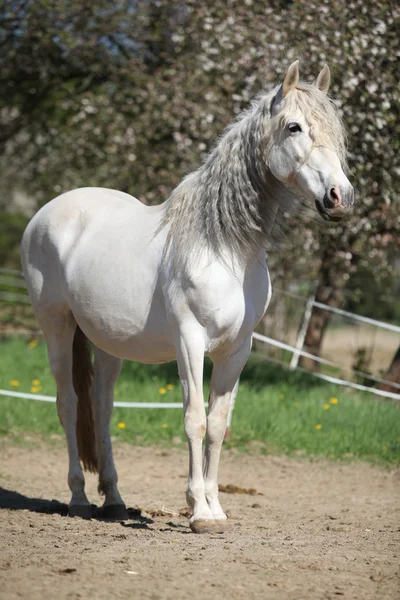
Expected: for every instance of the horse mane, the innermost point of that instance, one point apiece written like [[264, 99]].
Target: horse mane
[[232, 204]]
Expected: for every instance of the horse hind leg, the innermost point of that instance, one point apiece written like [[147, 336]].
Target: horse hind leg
[[67, 362], [106, 371]]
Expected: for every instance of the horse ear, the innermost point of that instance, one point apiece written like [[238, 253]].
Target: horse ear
[[323, 79], [291, 78]]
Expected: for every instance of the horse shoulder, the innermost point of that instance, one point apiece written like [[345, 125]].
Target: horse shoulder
[[225, 303]]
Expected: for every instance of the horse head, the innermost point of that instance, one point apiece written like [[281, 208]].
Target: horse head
[[306, 147]]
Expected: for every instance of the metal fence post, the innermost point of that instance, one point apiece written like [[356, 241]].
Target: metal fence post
[[302, 332]]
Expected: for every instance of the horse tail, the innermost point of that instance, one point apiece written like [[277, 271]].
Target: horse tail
[[82, 377]]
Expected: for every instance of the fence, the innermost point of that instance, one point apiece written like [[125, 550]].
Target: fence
[[14, 280]]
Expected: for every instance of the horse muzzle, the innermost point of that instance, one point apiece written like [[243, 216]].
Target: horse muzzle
[[336, 203]]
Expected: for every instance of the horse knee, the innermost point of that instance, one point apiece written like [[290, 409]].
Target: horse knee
[[195, 424], [216, 425]]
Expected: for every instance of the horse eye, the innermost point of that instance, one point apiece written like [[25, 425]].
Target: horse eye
[[294, 127]]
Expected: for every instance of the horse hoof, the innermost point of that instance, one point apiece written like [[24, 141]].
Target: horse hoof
[[83, 511], [116, 512], [208, 525]]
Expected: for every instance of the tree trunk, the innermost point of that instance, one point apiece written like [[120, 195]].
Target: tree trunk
[[393, 374], [329, 291]]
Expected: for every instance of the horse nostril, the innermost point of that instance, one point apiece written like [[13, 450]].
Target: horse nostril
[[333, 200], [335, 194]]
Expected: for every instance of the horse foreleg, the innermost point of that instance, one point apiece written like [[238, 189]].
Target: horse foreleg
[[190, 354], [106, 371], [224, 378], [231, 409]]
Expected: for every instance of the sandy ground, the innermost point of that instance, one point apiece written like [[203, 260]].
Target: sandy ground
[[340, 346], [313, 531]]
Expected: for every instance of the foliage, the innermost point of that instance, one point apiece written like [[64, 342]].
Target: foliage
[[132, 95], [12, 226], [285, 412]]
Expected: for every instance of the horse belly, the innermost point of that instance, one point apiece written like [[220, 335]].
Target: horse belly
[[125, 329]]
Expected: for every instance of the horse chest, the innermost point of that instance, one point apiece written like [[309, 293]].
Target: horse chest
[[236, 318], [226, 305]]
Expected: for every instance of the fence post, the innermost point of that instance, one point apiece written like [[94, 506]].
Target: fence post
[[302, 332]]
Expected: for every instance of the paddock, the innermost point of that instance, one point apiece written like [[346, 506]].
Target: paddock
[[298, 529]]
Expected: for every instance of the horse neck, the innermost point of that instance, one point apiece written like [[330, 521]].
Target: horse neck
[[231, 202]]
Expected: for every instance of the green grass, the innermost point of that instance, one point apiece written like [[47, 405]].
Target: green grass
[[276, 408]]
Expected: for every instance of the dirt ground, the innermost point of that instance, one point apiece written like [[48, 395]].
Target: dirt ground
[[313, 530], [341, 345]]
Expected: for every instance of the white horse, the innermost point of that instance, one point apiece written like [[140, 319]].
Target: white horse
[[177, 281]]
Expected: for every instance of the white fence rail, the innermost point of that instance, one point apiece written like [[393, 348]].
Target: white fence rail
[[118, 403], [355, 317], [329, 378]]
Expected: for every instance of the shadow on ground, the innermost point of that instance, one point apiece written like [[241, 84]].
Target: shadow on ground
[[11, 500]]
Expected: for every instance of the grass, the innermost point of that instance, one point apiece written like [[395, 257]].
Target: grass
[[278, 411]]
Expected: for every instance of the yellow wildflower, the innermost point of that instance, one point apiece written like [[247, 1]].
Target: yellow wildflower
[[319, 426], [121, 425], [36, 388], [384, 448], [327, 406], [162, 391], [281, 396], [32, 344], [14, 383], [164, 425], [170, 386], [297, 404], [35, 381], [334, 401]]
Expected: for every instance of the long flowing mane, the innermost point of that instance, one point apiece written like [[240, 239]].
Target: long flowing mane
[[231, 204]]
